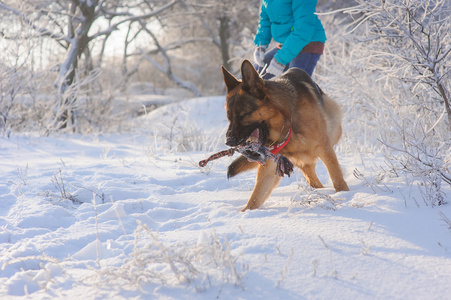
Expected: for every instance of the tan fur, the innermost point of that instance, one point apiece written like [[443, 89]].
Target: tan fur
[[292, 99]]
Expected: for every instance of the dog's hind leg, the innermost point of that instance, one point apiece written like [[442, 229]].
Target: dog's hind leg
[[307, 164], [329, 158], [239, 165], [266, 182], [310, 175]]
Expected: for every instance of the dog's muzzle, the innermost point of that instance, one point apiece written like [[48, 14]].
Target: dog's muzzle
[[231, 141]]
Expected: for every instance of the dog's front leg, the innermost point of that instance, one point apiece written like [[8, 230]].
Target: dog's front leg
[[267, 180]]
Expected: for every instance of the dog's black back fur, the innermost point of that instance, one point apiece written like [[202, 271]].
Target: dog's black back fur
[[299, 75]]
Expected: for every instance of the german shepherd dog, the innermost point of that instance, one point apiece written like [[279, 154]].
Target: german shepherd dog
[[272, 111]]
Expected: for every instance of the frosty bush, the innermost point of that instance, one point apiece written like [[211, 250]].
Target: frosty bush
[[408, 46], [209, 263], [83, 108], [17, 82], [411, 42], [29, 104]]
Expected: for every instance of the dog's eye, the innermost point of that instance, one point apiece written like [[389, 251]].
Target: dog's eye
[[246, 114], [243, 115]]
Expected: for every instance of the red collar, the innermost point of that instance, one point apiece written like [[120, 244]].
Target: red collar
[[279, 147]]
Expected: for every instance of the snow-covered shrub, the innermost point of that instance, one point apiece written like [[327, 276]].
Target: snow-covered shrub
[[17, 82], [410, 41], [208, 263], [424, 161], [83, 108], [28, 103], [398, 54]]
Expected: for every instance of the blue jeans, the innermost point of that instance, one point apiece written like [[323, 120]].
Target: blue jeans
[[305, 61]]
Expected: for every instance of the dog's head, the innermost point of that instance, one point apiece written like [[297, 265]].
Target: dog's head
[[247, 107]]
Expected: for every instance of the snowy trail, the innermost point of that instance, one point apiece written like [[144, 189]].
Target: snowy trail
[[138, 219]]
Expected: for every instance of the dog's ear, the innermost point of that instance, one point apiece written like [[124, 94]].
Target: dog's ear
[[230, 81], [251, 79]]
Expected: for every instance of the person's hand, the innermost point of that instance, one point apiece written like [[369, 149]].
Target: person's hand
[[275, 68], [259, 55]]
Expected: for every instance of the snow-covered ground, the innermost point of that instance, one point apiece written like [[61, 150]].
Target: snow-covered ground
[[133, 216]]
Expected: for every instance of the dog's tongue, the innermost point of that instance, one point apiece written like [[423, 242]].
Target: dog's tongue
[[255, 134]]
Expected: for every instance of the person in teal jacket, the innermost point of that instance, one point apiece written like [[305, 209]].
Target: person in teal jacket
[[298, 31]]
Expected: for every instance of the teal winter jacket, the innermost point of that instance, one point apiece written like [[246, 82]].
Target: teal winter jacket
[[292, 23]]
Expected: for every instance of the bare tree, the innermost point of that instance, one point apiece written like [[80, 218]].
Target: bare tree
[[228, 23], [193, 29], [185, 42], [70, 23]]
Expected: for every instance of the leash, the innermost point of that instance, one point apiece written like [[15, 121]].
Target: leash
[[263, 71], [316, 86]]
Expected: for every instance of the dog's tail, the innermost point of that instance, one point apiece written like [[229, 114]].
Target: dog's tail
[[334, 116]]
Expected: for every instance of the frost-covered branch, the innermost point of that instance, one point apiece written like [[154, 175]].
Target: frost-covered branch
[[42, 30], [129, 18], [417, 35], [167, 70]]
